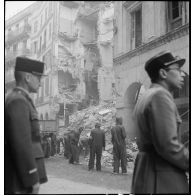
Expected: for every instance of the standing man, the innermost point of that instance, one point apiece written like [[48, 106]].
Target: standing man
[[66, 146], [97, 143], [162, 160], [119, 147], [74, 150], [24, 158]]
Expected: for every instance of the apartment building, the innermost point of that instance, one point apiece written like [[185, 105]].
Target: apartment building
[[17, 41], [142, 29], [74, 39]]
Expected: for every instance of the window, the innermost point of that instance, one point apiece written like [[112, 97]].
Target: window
[[35, 26], [136, 26], [177, 14], [175, 10]]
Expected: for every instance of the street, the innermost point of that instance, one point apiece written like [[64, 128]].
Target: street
[[65, 178]]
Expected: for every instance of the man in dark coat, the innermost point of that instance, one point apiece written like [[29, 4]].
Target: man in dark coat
[[24, 158], [73, 138], [66, 146], [162, 161], [119, 147], [97, 143]]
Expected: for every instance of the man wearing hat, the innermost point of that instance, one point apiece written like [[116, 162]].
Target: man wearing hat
[[163, 160], [24, 158], [97, 143]]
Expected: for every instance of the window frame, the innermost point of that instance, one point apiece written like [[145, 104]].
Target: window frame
[[132, 13]]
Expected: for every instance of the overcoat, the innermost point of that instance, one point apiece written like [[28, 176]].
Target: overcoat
[[119, 148], [162, 160], [24, 158], [97, 142]]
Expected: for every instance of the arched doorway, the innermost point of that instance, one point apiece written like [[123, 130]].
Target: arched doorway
[[130, 98]]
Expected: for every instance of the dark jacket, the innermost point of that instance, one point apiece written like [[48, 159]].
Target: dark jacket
[[24, 164], [97, 138], [162, 159], [118, 135]]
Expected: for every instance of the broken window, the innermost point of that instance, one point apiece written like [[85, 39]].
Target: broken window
[[136, 28]]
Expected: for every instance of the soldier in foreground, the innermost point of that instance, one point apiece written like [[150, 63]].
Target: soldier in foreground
[[24, 158], [162, 160]]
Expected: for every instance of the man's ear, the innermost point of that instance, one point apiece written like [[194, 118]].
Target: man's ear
[[162, 73], [27, 77]]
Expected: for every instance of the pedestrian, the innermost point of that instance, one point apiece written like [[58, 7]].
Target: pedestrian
[[162, 160], [48, 146], [77, 138], [97, 143], [66, 146], [53, 144], [119, 147], [24, 158], [73, 137]]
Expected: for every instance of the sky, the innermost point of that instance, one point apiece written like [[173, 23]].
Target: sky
[[13, 7]]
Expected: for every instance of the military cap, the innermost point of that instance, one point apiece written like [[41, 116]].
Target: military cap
[[24, 64], [162, 60]]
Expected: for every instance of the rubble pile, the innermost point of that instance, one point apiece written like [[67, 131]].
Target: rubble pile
[[104, 114]]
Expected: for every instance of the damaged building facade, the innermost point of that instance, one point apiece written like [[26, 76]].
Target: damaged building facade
[[75, 40], [142, 30]]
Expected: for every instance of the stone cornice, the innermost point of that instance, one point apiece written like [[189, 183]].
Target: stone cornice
[[168, 37]]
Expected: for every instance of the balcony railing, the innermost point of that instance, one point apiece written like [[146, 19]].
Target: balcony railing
[[15, 35]]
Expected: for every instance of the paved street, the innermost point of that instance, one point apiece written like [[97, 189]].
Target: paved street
[[69, 179]]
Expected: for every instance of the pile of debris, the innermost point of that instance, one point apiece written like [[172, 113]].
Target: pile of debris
[[104, 114]]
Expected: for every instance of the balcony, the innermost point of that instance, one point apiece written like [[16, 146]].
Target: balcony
[[15, 36], [11, 56]]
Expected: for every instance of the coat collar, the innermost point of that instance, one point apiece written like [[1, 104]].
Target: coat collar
[[156, 85]]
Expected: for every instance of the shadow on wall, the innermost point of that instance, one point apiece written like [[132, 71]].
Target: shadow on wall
[[130, 99]]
